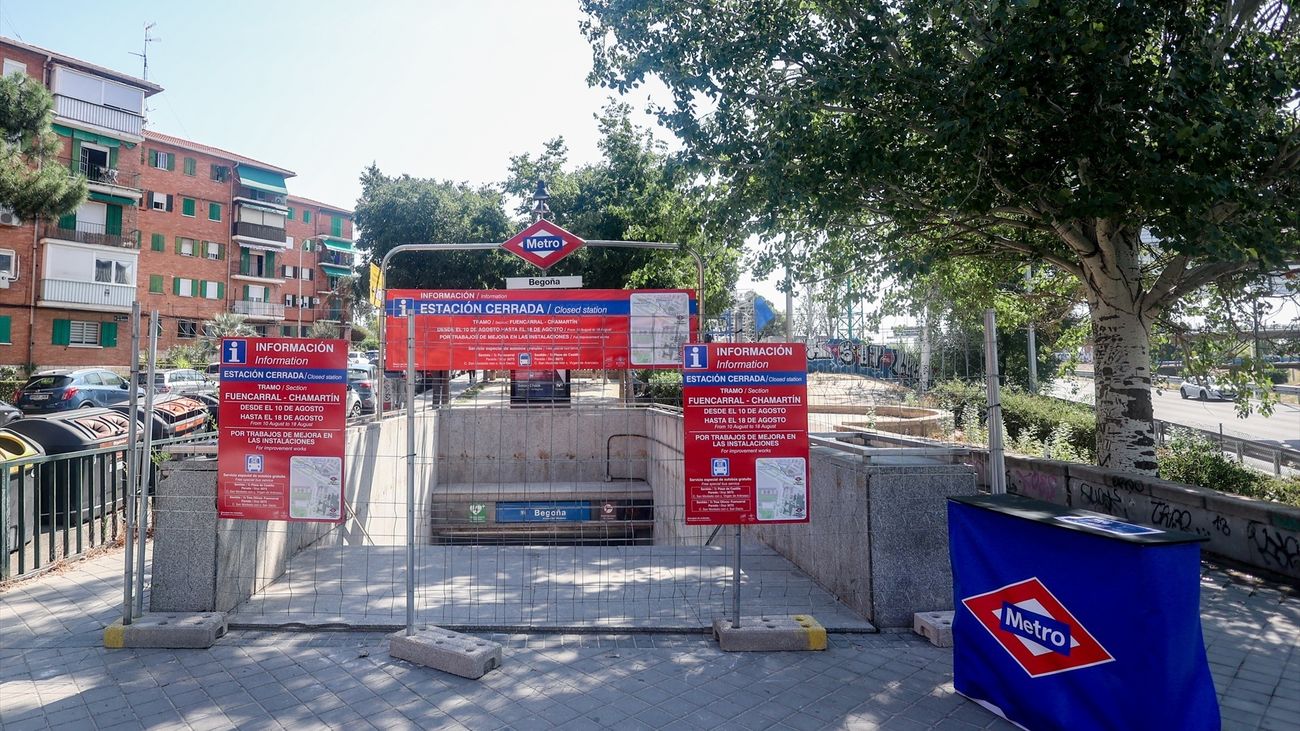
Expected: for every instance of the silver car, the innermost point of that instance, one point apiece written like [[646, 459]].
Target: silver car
[[1206, 389], [183, 381]]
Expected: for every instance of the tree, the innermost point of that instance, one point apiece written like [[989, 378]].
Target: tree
[[636, 192], [1147, 149], [32, 184], [323, 329], [225, 325]]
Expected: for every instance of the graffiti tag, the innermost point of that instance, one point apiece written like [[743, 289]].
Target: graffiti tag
[[1275, 548], [1104, 499]]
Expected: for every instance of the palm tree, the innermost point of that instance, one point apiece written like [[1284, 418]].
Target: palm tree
[[225, 325]]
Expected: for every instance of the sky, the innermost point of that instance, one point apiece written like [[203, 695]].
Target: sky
[[446, 89]]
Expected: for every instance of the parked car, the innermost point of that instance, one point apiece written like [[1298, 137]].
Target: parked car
[[184, 381], [8, 413], [357, 402], [213, 372], [362, 381], [63, 390], [1206, 389]]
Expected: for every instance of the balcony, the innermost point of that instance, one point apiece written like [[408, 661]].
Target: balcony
[[98, 116], [260, 233], [253, 195], [259, 310], [86, 295], [104, 179], [91, 233]]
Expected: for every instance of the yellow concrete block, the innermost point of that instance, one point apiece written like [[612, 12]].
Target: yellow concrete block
[[115, 636], [813, 630]]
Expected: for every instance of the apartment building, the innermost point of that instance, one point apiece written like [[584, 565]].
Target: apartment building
[[185, 228]]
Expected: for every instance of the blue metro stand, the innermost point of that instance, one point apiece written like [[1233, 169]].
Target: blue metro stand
[[1067, 619]]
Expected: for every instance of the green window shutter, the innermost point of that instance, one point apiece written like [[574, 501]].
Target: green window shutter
[[336, 226], [176, 285], [61, 333], [5, 326], [187, 206], [113, 220], [156, 283], [158, 242], [203, 249], [112, 157], [178, 244], [270, 264], [191, 166], [108, 334], [171, 161], [153, 155], [75, 164], [221, 251], [306, 216], [245, 261], [214, 211], [68, 222], [290, 213], [221, 290], [245, 292]]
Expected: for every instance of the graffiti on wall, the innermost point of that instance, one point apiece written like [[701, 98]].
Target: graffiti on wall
[[850, 355]]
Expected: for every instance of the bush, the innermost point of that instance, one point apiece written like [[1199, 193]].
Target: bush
[[1069, 429], [664, 387], [1194, 459]]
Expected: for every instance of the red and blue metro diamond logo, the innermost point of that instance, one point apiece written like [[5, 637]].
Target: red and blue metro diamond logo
[[542, 244], [1037, 630]]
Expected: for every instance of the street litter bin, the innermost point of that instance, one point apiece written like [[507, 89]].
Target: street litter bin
[[79, 486], [212, 404], [20, 505], [173, 416], [1068, 619]]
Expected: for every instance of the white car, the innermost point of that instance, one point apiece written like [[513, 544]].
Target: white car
[[1207, 389]]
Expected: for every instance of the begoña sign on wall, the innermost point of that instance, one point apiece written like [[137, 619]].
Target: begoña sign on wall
[[283, 416], [507, 329], [745, 415]]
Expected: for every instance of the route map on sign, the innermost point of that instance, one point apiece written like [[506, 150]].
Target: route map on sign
[[283, 415], [505, 329], [745, 417]]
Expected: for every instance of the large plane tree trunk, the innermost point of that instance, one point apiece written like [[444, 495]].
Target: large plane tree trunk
[[1121, 333]]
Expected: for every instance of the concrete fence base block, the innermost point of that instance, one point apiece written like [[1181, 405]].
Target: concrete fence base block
[[935, 627], [451, 652], [770, 634], [172, 630]]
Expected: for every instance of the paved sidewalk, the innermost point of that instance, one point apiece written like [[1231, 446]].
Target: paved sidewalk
[[54, 673]]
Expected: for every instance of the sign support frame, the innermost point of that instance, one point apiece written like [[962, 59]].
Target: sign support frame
[[404, 248]]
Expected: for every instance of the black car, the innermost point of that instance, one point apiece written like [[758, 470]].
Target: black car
[[64, 390]]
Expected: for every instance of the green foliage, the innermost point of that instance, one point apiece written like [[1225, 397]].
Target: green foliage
[[323, 329], [1193, 459], [225, 325], [662, 387], [1044, 426], [31, 182]]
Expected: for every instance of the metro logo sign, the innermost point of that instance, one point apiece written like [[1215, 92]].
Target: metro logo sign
[[1037, 630], [543, 244]]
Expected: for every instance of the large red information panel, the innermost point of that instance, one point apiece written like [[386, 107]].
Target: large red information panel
[[283, 417], [746, 422], [507, 329]]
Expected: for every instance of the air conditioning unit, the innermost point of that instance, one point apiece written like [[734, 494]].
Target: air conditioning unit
[[8, 218]]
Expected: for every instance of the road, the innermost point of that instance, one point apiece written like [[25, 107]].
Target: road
[[1281, 429]]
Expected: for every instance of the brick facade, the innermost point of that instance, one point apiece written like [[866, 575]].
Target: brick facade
[[179, 252]]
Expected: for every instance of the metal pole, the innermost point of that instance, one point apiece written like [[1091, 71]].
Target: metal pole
[[997, 465], [410, 474], [132, 465], [1033, 345], [146, 463], [789, 302], [735, 582]]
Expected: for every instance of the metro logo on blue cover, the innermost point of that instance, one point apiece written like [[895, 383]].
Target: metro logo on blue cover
[[1039, 633], [541, 244]]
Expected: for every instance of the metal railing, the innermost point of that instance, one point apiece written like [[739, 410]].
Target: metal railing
[[57, 507], [259, 231], [102, 294], [1278, 457], [84, 232], [262, 196], [100, 116], [258, 309]]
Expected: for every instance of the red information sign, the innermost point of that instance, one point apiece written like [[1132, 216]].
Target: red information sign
[[283, 416], [746, 421], [506, 329]]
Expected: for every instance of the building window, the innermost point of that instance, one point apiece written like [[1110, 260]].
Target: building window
[[12, 67], [290, 213], [261, 330], [187, 329], [183, 287], [155, 284], [187, 207], [83, 333], [288, 300], [162, 160], [6, 327], [290, 272], [191, 166], [306, 216], [184, 246], [214, 211], [214, 250], [336, 226], [160, 201], [220, 173], [112, 271], [157, 242], [9, 263], [213, 290], [305, 273]]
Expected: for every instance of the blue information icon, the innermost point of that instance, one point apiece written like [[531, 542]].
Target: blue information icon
[[720, 467], [253, 463], [696, 356], [236, 351]]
